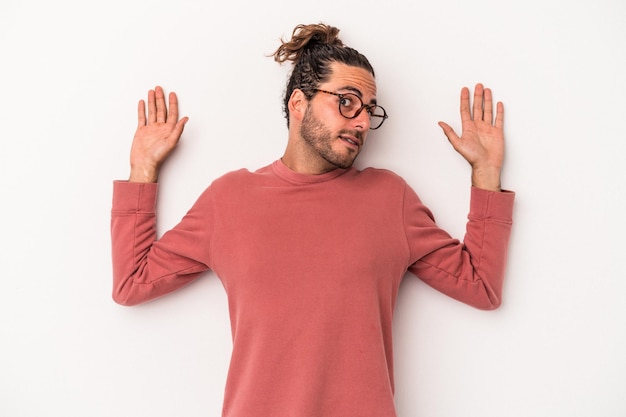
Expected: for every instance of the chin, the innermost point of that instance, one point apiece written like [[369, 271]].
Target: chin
[[345, 163]]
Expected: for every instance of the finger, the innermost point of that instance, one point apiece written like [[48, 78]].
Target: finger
[[466, 115], [161, 110], [151, 107], [488, 106], [478, 102], [180, 126], [450, 133], [141, 113], [173, 104], [499, 115]]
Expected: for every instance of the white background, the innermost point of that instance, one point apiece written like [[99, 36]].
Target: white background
[[71, 75]]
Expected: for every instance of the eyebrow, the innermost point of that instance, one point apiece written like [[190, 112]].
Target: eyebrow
[[357, 92]]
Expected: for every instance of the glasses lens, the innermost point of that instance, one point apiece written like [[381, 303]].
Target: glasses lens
[[377, 116], [349, 105]]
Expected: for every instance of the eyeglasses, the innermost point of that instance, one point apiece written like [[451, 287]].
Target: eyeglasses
[[351, 105]]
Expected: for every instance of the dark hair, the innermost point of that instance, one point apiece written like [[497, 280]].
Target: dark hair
[[312, 49]]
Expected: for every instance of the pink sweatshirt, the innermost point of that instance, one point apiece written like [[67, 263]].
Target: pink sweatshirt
[[311, 266]]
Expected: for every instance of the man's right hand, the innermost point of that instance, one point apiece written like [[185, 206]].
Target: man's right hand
[[156, 136]]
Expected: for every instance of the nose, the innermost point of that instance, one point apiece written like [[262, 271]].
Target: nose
[[362, 120]]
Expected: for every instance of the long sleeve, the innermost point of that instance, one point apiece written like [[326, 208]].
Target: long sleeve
[[471, 271], [143, 267]]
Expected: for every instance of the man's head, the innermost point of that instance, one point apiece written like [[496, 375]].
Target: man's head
[[330, 100], [312, 49]]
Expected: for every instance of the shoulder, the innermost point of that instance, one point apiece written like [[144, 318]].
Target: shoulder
[[389, 184], [239, 180], [231, 177], [381, 177], [240, 177], [375, 184]]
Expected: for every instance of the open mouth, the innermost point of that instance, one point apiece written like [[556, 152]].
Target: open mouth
[[350, 141]]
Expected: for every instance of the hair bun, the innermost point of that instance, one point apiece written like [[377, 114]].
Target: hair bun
[[307, 37], [322, 34]]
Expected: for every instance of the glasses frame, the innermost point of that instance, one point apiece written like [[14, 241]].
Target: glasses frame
[[367, 107]]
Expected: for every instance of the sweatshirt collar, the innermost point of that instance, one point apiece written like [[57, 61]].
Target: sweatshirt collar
[[284, 172]]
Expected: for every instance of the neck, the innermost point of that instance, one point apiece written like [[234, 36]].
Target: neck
[[306, 166]]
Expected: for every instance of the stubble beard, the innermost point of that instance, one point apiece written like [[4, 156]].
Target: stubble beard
[[318, 137]]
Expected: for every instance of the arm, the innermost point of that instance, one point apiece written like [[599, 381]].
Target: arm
[[144, 268], [482, 140], [472, 271]]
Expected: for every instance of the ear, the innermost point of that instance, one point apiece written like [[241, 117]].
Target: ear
[[298, 103]]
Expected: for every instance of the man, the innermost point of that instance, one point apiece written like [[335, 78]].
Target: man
[[310, 250]]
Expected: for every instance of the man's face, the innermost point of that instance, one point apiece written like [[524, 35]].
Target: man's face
[[331, 137]]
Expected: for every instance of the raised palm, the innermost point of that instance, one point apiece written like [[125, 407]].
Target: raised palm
[[156, 136], [482, 138]]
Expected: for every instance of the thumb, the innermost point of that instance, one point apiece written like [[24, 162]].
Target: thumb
[[450, 133], [180, 126]]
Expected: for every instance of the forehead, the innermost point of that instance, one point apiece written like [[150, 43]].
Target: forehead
[[352, 78]]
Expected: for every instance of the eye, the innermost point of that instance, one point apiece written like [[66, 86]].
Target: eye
[[346, 101]]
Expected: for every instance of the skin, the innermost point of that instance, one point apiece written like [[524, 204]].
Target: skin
[[320, 139], [482, 139], [156, 136]]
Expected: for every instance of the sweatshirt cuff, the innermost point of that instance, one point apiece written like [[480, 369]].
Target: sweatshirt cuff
[[491, 205], [134, 196]]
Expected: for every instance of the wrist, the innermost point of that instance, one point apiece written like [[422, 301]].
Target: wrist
[[486, 179], [144, 174]]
